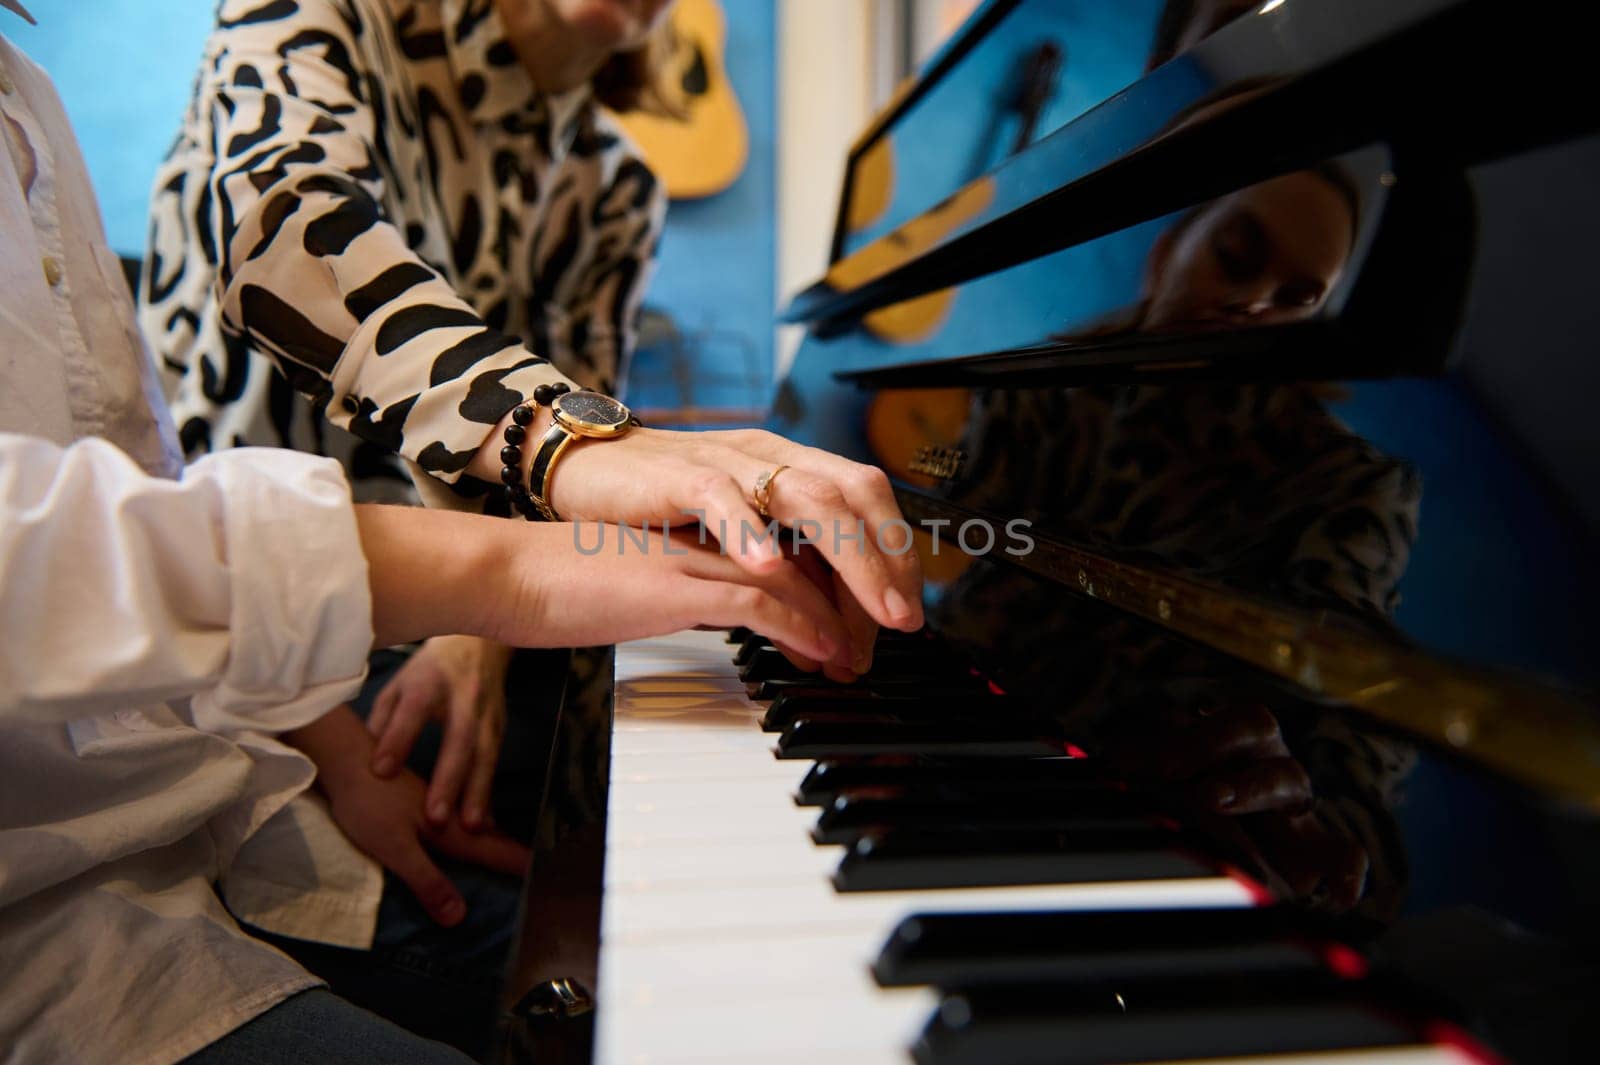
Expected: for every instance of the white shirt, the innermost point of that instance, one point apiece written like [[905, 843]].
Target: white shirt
[[153, 629]]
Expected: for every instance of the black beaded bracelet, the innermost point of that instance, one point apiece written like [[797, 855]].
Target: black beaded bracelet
[[511, 455]]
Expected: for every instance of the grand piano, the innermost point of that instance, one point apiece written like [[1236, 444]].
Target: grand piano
[[1235, 367]]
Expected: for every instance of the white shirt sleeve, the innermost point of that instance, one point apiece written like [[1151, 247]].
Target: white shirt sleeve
[[242, 585]]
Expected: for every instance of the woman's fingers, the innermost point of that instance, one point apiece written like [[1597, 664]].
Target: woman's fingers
[[1273, 784], [862, 627], [881, 568], [855, 657], [870, 494], [728, 604], [412, 710], [1201, 742], [480, 779], [382, 707], [713, 493], [816, 509], [1326, 868], [792, 586], [456, 751]]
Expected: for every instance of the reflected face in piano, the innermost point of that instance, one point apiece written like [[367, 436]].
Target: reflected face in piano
[[1266, 255]]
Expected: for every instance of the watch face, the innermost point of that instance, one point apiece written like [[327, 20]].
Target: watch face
[[591, 411]]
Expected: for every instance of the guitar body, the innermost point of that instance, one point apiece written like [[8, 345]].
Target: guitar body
[[901, 424], [705, 152], [915, 320]]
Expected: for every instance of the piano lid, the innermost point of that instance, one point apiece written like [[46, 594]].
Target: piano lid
[[1280, 86], [1333, 271], [1159, 404]]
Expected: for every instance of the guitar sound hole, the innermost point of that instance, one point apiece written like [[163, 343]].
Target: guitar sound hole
[[697, 80]]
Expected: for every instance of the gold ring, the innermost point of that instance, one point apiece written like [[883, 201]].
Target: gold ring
[[763, 492]]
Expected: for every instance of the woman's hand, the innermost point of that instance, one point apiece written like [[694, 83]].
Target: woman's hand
[[1230, 758], [383, 818], [460, 681], [846, 509], [1249, 793]]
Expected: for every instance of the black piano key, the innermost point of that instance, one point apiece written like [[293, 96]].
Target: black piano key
[[872, 684], [1213, 1019], [768, 663], [817, 739], [955, 716], [791, 704], [795, 699], [816, 686], [748, 650], [886, 638], [853, 814], [827, 780], [768, 690], [982, 782], [908, 860], [1133, 947], [896, 638]]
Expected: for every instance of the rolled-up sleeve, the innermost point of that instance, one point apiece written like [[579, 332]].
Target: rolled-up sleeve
[[242, 585]]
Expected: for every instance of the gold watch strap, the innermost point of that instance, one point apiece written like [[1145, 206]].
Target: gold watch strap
[[555, 441]]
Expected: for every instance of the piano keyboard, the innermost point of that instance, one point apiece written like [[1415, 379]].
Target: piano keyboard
[[724, 937]]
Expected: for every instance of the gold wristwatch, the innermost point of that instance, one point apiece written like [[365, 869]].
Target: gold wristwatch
[[577, 414]]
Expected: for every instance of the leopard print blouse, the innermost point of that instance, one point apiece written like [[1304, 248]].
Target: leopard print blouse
[[374, 236]]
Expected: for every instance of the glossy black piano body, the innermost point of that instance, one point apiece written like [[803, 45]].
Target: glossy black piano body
[[1247, 377]]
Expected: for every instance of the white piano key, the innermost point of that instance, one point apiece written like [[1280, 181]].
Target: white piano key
[[745, 864], [711, 789], [718, 909], [639, 764], [741, 970], [632, 770], [712, 794], [659, 733], [667, 743], [671, 712], [666, 683], [834, 1020], [785, 1056], [653, 819]]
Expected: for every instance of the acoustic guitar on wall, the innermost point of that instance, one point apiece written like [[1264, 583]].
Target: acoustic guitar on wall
[[705, 151]]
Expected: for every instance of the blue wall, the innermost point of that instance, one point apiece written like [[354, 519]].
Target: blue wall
[[124, 69], [718, 276]]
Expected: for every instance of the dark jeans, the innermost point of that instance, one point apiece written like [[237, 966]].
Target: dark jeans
[[438, 983], [319, 1026]]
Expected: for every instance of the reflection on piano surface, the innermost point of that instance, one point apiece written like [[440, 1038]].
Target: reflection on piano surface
[[1233, 362]]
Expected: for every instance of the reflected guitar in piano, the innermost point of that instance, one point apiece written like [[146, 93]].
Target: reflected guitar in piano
[[1280, 741]]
